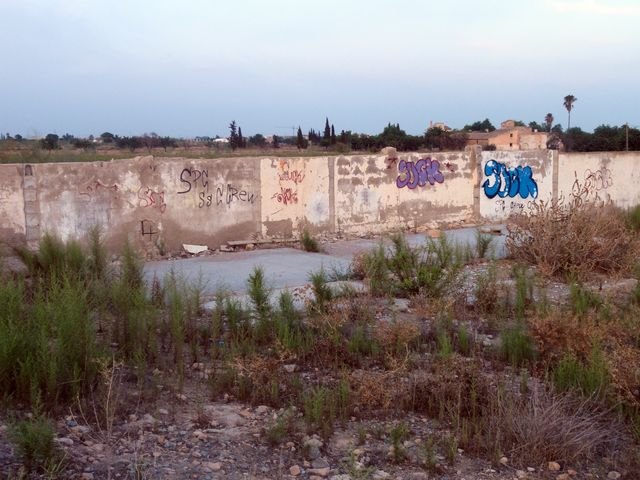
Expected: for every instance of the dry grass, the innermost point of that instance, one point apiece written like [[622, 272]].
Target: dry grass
[[574, 238], [544, 427]]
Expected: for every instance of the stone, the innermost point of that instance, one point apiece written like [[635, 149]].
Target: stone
[[342, 476], [163, 411], [200, 435], [504, 461], [521, 474], [194, 249], [313, 446], [321, 472], [563, 476], [320, 463], [86, 476], [262, 409], [553, 466], [295, 470], [66, 441], [290, 368], [380, 475], [250, 246], [213, 466], [613, 475], [572, 472]]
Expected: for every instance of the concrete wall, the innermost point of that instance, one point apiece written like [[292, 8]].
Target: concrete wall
[[510, 181], [296, 192], [610, 176], [12, 197], [152, 200], [376, 193], [165, 202]]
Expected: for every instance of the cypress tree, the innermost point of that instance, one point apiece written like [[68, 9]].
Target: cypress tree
[[241, 143], [300, 141]]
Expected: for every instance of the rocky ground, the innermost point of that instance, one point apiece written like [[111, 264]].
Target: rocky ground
[[160, 431], [184, 439]]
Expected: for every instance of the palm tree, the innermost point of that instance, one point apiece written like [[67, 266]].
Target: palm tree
[[548, 119], [569, 100]]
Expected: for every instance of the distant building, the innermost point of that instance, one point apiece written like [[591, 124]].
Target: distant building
[[441, 125], [510, 137]]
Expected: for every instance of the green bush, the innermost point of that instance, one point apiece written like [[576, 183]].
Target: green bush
[[516, 346], [34, 441], [590, 378], [309, 244]]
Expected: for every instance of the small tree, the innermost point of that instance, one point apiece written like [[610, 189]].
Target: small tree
[[50, 142], [276, 142], [233, 135], [241, 141], [548, 119], [333, 135], [301, 143]]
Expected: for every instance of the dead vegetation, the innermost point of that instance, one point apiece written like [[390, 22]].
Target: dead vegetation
[[575, 237], [497, 369]]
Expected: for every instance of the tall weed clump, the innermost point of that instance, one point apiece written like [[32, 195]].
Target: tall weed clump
[[405, 270], [47, 342], [573, 237]]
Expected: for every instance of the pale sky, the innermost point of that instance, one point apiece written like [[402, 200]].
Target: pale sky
[[189, 67]]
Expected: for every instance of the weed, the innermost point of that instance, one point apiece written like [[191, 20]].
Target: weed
[[451, 449], [34, 441], [322, 406], [573, 237], [464, 341], [633, 218], [516, 346], [590, 380], [362, 434], [483, 243], [321, 291], [524, 290], [583, 300], [377, 272], [309, 244], [541, 426], [399, 433], [259, 294], [429, 454], [280, 428], [445, 347]]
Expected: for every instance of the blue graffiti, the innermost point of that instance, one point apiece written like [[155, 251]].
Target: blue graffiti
[[509, 182], [412, 175]]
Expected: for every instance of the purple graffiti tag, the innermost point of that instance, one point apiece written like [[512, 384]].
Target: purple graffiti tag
[[412, 175]]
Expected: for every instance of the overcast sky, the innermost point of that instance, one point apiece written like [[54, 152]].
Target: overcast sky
[[189, 67]]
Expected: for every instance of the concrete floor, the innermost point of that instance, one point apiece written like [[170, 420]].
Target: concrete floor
[[286, 268]]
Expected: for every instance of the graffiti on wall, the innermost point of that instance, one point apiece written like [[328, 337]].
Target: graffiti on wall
[[148, 229], [95, 188], [503, 206], [412, 175], [598, 180], [148, 198], [196, 181], [288, 180], [509, 182]]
